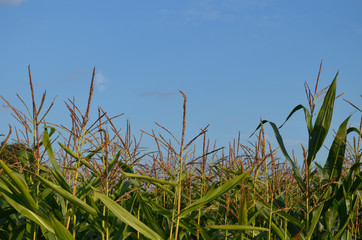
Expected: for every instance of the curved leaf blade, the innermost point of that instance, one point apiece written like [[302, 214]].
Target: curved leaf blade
[[67, 195], [307, 115], [213, 194], [150, 179], [127, 217]]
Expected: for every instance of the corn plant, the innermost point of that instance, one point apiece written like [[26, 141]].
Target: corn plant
[[93, 180]]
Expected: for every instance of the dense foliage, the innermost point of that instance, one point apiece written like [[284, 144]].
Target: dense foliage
[[94, 181]]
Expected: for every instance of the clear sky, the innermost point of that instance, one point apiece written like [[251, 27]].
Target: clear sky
[[236, 60]]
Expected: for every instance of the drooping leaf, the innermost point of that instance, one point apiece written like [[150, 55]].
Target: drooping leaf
[[39, 218], [307, 115], [127, 217], [67, 195], [295, 169]]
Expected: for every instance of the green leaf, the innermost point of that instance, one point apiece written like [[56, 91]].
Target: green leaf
[[279, 138], [265, 213], [353, 129], [352, 181], [307, 115], [150, 179], [237, 227], [150, 217], [330, 215], [316, 214], [76, 156], [60, 231], [48, 147], [127, 217], [282, 214], [344, 224], [113, 161], [243, 213], [57, 172], [334, 163], [67, 195], [25, 156], [39, 218], [164, 188], [21, 187], [322, 123], [213, 194], [243, 210], [203, 233]]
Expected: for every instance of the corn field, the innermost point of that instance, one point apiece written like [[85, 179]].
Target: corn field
[[92, 180]]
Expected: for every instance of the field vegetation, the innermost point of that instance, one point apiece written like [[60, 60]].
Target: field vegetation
[[92, 180]]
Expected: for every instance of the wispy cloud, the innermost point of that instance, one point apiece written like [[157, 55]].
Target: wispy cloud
[[11, 2], [163, 95], [100, 81]]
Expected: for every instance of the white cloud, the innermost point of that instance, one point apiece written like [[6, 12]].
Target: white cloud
[[100, 81], [11, 2]]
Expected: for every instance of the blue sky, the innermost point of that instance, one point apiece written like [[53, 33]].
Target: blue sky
[[236, 60]]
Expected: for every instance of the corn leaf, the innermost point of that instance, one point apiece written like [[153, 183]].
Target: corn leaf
[[213, 194], [127, 217], [316, 214], [57, 172], [67, 195], [39, 218], [322, 123], [76, 156], [238, 228], [150, 179], [307, 115], [150, 217], [48, 147], [60, 231], [334, 163], [21, 187], [279, 138]]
